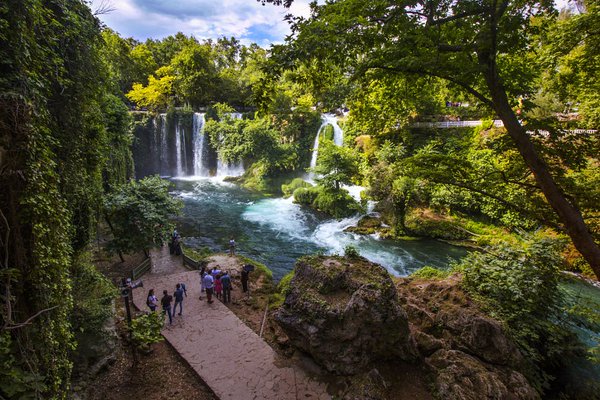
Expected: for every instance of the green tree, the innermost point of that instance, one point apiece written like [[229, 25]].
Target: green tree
[[480, 47], [158, 93], [139, 214], [336, 165]]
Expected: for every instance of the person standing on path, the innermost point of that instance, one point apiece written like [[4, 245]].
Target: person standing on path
[[231, 246], [245, 274], [208, 286], [218, 286], [178, 294], [226, 283], [152, 300], [166, 305]]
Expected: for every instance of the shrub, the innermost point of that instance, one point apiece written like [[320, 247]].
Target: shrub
[[306, 196], [337, 203], [289, 189], [146, 328], [518, 284], [351, 251], [428, 272]]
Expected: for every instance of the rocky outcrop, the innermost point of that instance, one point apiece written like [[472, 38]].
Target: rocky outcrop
[[469, 354], [345, 313]]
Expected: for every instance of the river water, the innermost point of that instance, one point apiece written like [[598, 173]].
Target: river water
[[276, 232]]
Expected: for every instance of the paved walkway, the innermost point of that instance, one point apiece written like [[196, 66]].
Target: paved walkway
[[233, 361]]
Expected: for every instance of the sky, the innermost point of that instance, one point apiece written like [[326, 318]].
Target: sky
[[246, 20]]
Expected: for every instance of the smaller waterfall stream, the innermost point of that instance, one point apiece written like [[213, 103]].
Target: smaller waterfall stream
[[338, 139], [199, 145], [164, 148], [178, 155]]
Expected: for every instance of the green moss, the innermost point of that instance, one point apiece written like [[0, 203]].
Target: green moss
[[196, 254], [428, 272]]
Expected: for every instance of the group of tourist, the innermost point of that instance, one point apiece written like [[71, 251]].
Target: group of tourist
[[215, 282]]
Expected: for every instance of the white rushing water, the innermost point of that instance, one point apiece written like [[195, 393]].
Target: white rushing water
[[199, 144], [338, 139], [178, 152], [164, 150]]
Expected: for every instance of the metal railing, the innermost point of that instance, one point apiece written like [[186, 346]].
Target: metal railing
[[141, 269], [190, 263]]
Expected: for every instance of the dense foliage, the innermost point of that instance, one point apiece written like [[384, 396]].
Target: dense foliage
[[62, 133], [519, 285], [139, 214]]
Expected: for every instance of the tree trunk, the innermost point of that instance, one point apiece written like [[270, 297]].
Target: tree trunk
[[568, 213], [113, 233]]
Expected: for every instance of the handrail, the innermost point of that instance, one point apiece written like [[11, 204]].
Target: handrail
[[141, 269], [190, 263]]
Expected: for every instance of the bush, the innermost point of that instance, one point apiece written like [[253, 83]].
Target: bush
[[428, 272], [518, 284], [146, 328], [337, 203], [306, 196], [289, 189], [351, 251]]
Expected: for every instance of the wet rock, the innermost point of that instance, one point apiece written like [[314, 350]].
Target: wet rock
[[369, 386], [345, 313], [367, 225]]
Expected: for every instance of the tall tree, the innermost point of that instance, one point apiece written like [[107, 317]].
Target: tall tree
[[482, 46]]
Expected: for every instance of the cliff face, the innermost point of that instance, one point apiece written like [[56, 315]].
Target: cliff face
[[349, 315]]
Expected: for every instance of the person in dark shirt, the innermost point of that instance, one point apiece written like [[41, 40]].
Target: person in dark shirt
[[245, 275], [178, 294], [226, 284], [166, 305]]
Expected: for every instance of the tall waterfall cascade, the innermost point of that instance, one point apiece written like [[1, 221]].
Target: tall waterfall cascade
[[177, 145], [338, 138]]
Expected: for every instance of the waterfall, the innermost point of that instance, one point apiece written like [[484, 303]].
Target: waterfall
[[227, 169], [178, 132], [199, 143], [164, 151], [338, 138]]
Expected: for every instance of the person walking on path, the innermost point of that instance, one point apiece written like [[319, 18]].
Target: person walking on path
[[208, 286], [178, 294], [226, 283], [231, 246], [152, 300], [166, 305]]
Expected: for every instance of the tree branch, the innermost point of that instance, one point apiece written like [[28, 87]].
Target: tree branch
[[28, 320]]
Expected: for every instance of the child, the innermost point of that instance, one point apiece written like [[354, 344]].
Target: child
[[218, 287]]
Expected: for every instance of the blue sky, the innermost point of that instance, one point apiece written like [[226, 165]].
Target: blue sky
[[247, 20]]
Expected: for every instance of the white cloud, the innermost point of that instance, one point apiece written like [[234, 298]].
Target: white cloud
[[247, 20]]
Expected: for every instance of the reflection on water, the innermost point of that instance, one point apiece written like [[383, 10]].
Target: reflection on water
[[276, 231]]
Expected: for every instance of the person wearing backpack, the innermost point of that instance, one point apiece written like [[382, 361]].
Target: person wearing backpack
[[178, 295], [152, 300]]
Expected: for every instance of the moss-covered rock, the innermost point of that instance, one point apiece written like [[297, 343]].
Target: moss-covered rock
[[344, 312], [367, 225]]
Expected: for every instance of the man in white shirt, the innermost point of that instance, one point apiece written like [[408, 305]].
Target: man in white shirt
[[209, 284]]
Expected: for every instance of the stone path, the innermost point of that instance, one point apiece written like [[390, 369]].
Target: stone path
[[233, 361]]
